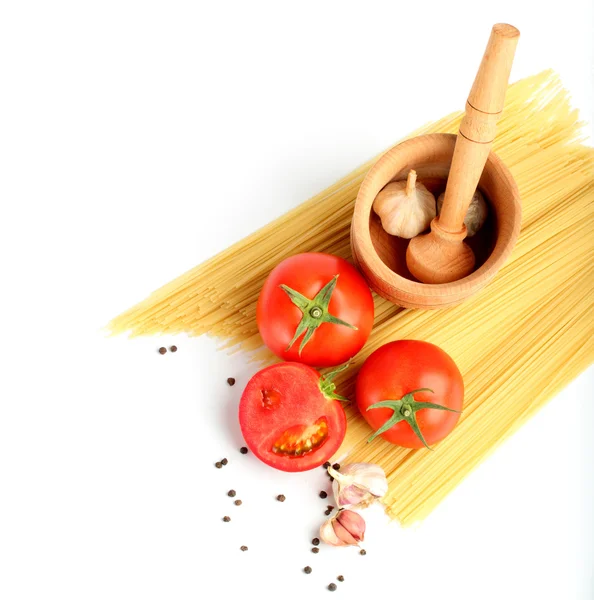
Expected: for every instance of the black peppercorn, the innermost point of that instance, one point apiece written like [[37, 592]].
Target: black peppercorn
[[315, 542], [336, 467], [340, 578], [224, 461], [162, 350], [327, 512], [330, 507], [243, 548], [226, 519], [281, 498], [332, 587], [237, 503], [231, 380], [231, 493], [218, 465], [362, 552], [307, 570], [243, 450], [173, 348], [326, 465], [323, 494], [315, 549]]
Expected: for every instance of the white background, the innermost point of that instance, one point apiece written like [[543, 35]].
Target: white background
[[139, 138]]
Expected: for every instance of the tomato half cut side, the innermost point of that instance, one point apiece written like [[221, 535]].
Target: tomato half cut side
[[290, 419]]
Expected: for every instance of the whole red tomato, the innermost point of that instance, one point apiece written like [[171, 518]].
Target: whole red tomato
[[316, 309], [290, 417], [410, 392]]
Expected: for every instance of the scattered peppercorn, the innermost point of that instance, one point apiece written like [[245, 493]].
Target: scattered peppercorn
[[231, 493], [332, 587], [340, 578], [224, 461], [336, 467], [329, 507], [173, 348], [315, 542], [315, 549], [328, 511], [243, 450], [231, 380], [226, 519], [323, 494], [307, 570], [162, 350], [326, 465], [362, 552], [237, 503], [281, 498], [218, 465], [243, 548]]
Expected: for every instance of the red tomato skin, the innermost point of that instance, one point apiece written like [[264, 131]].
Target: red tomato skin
[[351, 301], [302, 402], [401, 367]]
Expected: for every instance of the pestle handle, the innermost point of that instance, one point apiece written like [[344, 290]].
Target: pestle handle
[[478, 127]]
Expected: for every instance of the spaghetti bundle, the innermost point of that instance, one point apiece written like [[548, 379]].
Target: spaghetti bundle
[[517, 342]]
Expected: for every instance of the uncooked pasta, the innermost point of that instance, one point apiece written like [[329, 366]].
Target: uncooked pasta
[[517, 342]]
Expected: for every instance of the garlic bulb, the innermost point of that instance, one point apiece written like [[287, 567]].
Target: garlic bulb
[[476, 214], [405, 207], [347, 528], [358, 485]]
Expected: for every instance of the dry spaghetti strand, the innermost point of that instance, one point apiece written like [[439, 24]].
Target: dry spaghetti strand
[[518, 342]]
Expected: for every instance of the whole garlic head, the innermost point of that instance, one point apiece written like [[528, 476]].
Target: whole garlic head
[[476, 214], [406, 208]]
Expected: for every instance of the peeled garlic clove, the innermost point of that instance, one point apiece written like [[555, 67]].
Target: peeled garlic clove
[[358, 485], [406, 208], [328, 535], [476, 214]]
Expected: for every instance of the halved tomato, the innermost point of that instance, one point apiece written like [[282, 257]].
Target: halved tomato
[[290, 417]]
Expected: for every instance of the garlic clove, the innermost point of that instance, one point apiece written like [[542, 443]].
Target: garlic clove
[[358, 485], [476, 215], [353, 523], [406, 208], [328, 535], [343, 534]]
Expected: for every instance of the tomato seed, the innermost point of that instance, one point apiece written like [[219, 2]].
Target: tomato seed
[[173, 348], [231, 380], [224, 461], [315, 542], [340, 578], [336, 467], [332, 587], [323, 494], [362, 552], [231, 493], [243, 548], [307, 570], [237, 503], [162, 350], [281, 498], [243, 450], [218, 465], [226, 519], [315, 549]]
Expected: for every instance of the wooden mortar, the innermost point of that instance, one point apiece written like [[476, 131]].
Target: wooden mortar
[[382, 257]]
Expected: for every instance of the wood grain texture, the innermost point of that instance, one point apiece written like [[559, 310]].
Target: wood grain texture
[[383, 263]]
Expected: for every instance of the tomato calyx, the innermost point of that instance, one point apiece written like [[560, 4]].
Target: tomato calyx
[[405, 409], [315, 312], [327, 385]]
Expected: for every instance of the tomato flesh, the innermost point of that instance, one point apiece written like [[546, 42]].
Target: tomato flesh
[[286, 420]]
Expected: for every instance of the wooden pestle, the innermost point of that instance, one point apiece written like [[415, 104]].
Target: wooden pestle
[[442, 256]]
